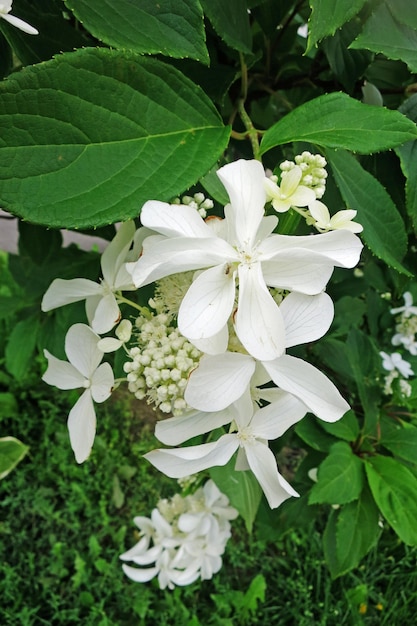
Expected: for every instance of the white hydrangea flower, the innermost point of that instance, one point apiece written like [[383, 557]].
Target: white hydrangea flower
[[184, 539], [251, 431], [220, 380], [290, 192], [5, 8], [239, 248], [160, 364], [340, 220], [102, 306], [396, 362], [408, 309], [83, 370]]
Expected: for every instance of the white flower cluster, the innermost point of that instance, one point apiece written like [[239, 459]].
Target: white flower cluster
[[198, 202], [161, 364], [406, 338], [313, 173], [232, 295], [183, 540], [303, 183]]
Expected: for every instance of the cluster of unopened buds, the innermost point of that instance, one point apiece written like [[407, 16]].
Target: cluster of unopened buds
[[183, 540], [405, 338], [231, 296]]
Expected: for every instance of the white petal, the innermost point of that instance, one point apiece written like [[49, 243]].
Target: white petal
[[302, 196], [219, 380], [306, 318], [298, 270], [258, 321], [263, 464], [207, 304], [308, 384], [173, 220], [61, 292], [171, 256], [81, 349], [115, 253], [181, 462], [106, 315], [290, 181], [217, 344], [341, 247], [266, 227], [140, 575], [320, 212], [82, 426], [244, 183], [175, 430], [20, 24], [62, 374], [102, 382], [109, 344], [275, 419]]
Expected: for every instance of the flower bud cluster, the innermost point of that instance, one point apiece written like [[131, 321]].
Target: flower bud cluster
[[160, 364], [313, 171], [183, 540], [198, 202]]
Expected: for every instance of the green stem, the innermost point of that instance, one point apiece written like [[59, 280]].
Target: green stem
[[252, 133], [142, 309]]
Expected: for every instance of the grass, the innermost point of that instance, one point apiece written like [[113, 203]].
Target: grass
[[62, 527]]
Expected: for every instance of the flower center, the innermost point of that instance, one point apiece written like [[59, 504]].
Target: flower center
[[245, 436]]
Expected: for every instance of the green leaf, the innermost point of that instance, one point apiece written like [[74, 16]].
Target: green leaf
[[350, 533], [394, 488], [163, 27], [337, 121], [214, 187], [384, 32], [383, 228], [11, 452], [339, 478], [327, 15], [408, 159], [56, 33], [347, 65], [241, 488], [347, 428], [365, 364], [230, 20], [38, 243], [401, 440], [8, 404], [20, 347], [81, 159], [308, 429], [404, 11]]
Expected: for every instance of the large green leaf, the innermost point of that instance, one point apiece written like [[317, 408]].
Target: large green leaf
[[337, 121], [347, 428], [174, 29], [11, 452], [340, 477], [394, 488], [328, 15], [94, 134], [383, 228], [385, 32], [350, 533], [230, 20]]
